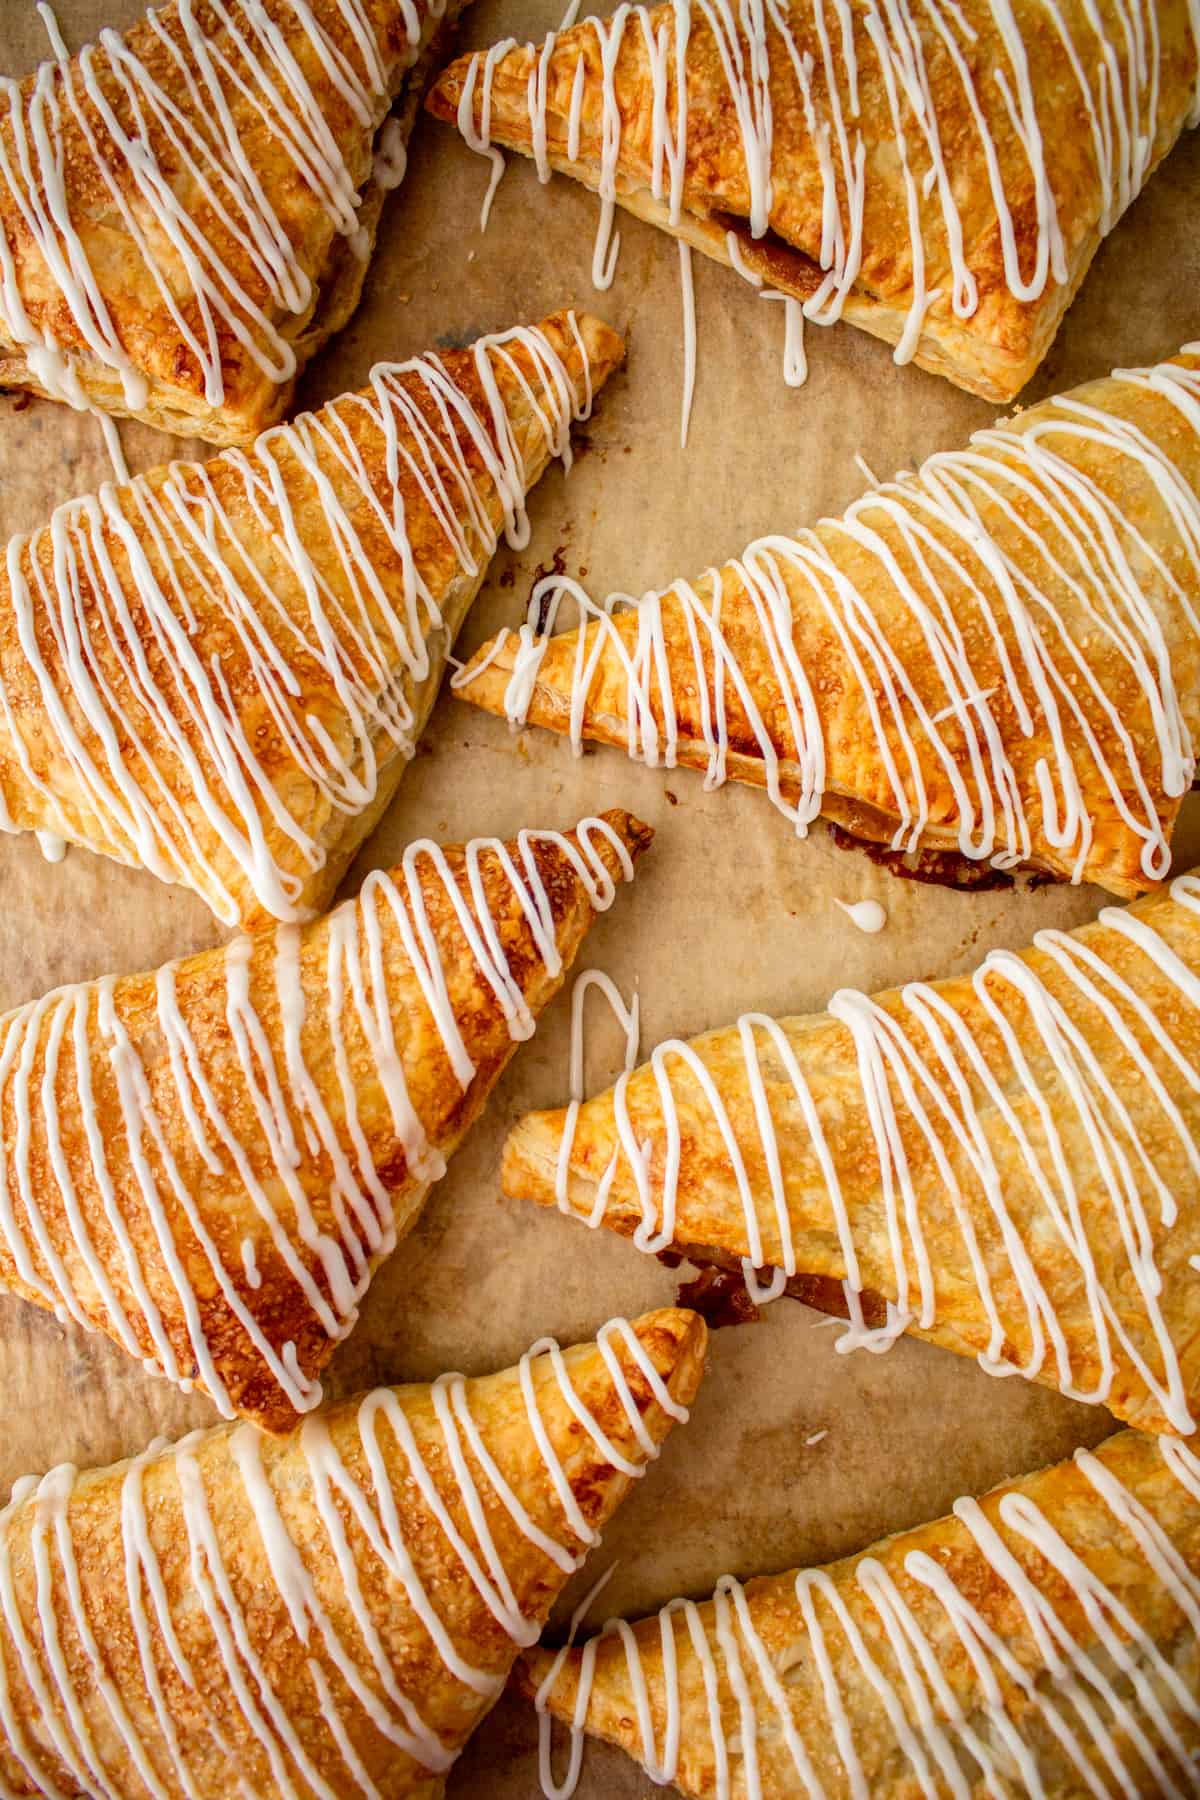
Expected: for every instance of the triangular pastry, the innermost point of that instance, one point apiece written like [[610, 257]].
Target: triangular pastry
[[940, 176], [1006, 1164], [326, 1615], [997, 657], [219, 671], [1040, 1641], [209, 1162], [188, 209]]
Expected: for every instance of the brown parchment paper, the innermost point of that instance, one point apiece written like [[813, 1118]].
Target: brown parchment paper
[[730, 911]]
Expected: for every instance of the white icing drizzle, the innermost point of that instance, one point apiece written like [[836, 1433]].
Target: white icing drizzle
[[112, 445], [738, 262], [865, 915], [688, 293], [928, 538], [58, 43], [1112, 56], [375, 640], [952, 1741], [250, 1263], [48, 1062], [919, 1062], [108, 429], [370, 1693], [627, 1019], [149, 129]]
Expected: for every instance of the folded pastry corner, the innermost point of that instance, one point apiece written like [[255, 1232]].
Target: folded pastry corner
[[190, 207], [1006, 1164], [219, 671], [209, 1162], [1039, 1640], [941, 177], [328, 1613], [997, 657]]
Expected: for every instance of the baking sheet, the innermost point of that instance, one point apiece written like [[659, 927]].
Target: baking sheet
[[729, 911]]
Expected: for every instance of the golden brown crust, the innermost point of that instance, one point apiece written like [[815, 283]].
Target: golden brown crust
[[994, 350], [1074, 1509], [216, 1741], [1071, 1261], [99, 1124], [857, 714], [149, 336], [309, 848]]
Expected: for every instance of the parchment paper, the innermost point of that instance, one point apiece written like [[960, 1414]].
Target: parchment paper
[[729, 912]]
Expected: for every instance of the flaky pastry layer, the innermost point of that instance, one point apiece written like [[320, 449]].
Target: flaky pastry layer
[[1005, 1164], [208, 215], [220, 670], [210, 1161], [941, 178], [1041, 1640], [998, 655], [325, 1614]]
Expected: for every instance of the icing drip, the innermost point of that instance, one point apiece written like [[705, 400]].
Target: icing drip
[[795, 359], [391, 156], [1106, 1708], [48, 1061], [371, 642], [1112, 56], [152, 143], [348, 1478], [52, 848], [866, 915], [924, 1080], [950, 544], [689, 341]]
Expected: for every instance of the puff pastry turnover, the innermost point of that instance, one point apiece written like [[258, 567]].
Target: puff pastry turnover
[[187, 211], [939, 175], [210, 1161], [331, 1613], [219, 671], [1042, 1640], [1007, 1164], [998, 657]]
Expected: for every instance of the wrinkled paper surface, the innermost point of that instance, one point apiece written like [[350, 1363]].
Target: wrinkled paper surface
[[729, 911]]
